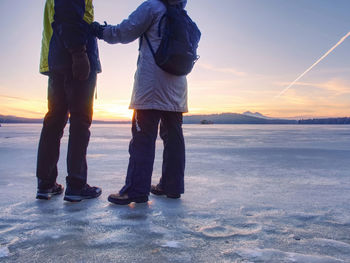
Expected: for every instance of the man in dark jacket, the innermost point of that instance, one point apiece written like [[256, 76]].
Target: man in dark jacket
[[69, 56]]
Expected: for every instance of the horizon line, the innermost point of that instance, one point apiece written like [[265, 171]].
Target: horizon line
[[127, 120]]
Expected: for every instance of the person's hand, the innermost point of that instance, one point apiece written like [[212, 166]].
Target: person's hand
[[97, 29], [80, 63]]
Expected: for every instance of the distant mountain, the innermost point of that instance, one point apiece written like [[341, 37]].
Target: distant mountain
[[15, 119], [256, 114], [234, 118]]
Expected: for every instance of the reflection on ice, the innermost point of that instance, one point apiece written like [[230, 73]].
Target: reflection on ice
[[253, 194]]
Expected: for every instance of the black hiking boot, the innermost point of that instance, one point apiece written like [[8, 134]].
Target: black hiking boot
[[156, 190], [46, 194], [125, 199], [87, 192]]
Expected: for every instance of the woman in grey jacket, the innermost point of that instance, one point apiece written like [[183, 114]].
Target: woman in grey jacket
[[157, 97]]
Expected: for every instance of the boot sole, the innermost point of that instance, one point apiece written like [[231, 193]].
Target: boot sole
[[142, 199], [78, 198], [160, 193], [173, 196], [47, 196]]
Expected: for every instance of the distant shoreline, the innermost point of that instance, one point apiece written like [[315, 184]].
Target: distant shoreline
[[224, 118], [129, 122]]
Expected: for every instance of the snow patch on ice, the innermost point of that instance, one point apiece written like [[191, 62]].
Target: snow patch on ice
[[51, 234], [4, 252], [171, 244]]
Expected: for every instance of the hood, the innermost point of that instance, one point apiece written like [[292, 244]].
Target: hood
[[178, 2]]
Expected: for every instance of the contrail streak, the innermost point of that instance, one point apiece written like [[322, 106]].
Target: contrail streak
[[318, 61]]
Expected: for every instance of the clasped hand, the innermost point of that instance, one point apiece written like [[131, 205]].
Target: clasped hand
[[97, 29]]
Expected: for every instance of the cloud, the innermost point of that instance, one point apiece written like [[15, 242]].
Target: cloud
[[232, 71], [26, 112], [335, 87], [338, 87], [12, 98], [329, 99], [23, 107], [19, 98]]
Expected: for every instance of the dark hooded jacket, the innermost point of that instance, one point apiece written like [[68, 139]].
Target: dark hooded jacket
[[66, 26]]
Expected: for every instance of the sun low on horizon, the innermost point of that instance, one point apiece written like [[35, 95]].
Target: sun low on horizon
[[286, 59]]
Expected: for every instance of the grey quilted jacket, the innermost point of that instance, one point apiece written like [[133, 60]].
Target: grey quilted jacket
[[153, 87]]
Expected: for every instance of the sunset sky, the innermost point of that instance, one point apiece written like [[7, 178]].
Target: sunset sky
[[249, 52]]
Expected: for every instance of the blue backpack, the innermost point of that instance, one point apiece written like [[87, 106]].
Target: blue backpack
[[177, 52]]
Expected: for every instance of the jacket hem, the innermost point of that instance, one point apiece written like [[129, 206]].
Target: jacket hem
[[157, 107]]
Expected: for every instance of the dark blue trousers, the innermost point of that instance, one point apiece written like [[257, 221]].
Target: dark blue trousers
[[142, 152], [67, 99]]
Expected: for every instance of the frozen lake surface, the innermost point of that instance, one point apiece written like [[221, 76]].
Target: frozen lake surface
[[253, 194]]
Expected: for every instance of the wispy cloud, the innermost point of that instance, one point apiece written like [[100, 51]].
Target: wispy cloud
[[222, 70], [12, 98], [18, 98], [24, 107], [336, 87], [327, 99], [26, 112]]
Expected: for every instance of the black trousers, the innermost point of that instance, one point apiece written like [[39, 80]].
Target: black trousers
[[67, 99], [142, 152]]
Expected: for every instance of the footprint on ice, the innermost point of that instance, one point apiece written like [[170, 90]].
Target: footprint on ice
[[4, 252], [228, 231]]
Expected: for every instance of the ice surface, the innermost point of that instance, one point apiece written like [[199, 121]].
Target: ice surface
[[273, 255], [253, 194]]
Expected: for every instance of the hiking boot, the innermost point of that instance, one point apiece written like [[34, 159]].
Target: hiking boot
[[125, 199], [156, 190], [87, 192], [46, 194]]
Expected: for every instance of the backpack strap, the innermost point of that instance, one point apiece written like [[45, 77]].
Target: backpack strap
[[160, 25], [144, 35], [165, 2], [149, 44], [140, 42]]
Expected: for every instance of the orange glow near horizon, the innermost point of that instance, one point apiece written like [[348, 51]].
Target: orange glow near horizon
[[306, 100], [120, 112], [112, 111]]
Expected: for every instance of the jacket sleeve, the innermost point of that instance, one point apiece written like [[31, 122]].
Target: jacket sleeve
[[132, 27], [70, 24]]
